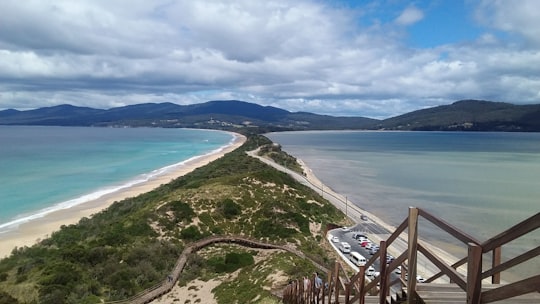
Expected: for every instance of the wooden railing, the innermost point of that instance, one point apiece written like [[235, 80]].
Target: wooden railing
[[471, 282], [338, 286], [356, 288], [166, 285]]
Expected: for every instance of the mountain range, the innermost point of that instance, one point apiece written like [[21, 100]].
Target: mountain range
[[473, 115]]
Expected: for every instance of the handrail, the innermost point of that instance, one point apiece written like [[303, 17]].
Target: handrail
[[401, 228], [513, 262], [512, 290], [522, 228], [165, 286], [445, 268], [460, 235], [472, 286], [469, 283], [455, 266]]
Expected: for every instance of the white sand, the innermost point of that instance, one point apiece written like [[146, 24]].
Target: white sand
[[196, 291], [31, 232]]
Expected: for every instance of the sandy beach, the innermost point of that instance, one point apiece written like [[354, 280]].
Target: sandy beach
[[31, 232]]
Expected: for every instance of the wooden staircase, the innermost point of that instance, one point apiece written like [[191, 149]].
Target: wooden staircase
[[469, 284]]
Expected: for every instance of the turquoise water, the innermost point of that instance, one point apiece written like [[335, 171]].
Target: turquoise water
[[482, 183], [49, 168]]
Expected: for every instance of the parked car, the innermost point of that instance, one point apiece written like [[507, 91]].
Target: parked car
[[357, 236], [373, 250], [369, 245], [364, 243], [370, 271], [345, 247], [420, 279], [398, 270], [335, 239], [345, 229]]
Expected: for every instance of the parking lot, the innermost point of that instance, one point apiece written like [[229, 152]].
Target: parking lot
[[353, 236]]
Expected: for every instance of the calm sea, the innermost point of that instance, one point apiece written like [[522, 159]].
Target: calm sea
[[482, 183], [43, 169]]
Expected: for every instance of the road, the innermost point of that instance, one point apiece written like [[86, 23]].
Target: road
[[375, 231]]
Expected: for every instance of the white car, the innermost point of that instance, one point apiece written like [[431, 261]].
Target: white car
[[345, 247], [420, 279], [335, 239], [345, 229], [398, 270], [370, 271], [369, 245]]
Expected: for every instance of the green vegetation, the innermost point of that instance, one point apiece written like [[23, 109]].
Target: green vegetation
[[231, 262], [274, 152], [468, 115], [135, 243]]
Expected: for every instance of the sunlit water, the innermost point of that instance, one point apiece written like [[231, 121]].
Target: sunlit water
[[43, 169], [482, 183]]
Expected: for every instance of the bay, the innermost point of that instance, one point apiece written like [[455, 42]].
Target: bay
[[482, 183], [43, 169]]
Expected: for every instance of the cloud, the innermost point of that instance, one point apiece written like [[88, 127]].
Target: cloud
[[299, 55], [409, 16], [518, 18]]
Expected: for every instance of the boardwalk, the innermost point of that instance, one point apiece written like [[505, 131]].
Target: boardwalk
[[167, 285]]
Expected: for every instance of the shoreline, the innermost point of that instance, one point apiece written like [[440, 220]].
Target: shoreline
[[31, 232], [395, 248], [354, 212]]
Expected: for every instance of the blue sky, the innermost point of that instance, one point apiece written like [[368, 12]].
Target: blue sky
[[352, 58]]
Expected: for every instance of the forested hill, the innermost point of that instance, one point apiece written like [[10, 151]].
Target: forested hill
[[469, 115], [464, 115], [224, 114]]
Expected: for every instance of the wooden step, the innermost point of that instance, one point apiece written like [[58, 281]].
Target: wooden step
[[450, 293], [371, 300]]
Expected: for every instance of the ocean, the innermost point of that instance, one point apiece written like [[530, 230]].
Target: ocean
[[482, 183], [43, 169]]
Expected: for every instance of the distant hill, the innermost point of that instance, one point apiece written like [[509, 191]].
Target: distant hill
[[464, 115], [213, 114], [469, 115]]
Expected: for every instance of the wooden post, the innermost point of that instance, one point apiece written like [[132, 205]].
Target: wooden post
[[323, 293], [362, 282], [474, 274], [347, 292], [496, 261], [412, 254], [314, 295], [296, 292], [336, 281], [330, 279], [383, 291], [300, 293]]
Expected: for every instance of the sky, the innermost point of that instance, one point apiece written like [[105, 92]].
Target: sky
[[366, 58]]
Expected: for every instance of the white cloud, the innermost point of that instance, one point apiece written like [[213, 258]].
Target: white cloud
[[299, 55], [410, 16], [519, 17]]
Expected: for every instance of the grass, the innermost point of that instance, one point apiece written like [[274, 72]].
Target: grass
[[274, 152], [134, 244]]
